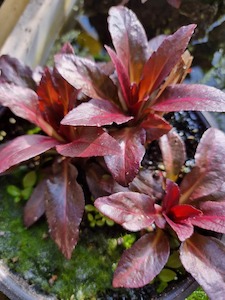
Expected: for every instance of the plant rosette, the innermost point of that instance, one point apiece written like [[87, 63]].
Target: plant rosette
[[111, 112]]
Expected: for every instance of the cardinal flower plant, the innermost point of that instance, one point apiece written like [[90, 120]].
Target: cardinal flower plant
[[113, 111]]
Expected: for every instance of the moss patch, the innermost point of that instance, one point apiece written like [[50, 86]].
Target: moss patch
[[33, 254]]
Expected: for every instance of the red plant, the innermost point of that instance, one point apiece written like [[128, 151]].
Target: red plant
[[199, 202], [45, 104], [130, 102]]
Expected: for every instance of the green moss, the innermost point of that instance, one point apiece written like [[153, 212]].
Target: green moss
[[33, 254]]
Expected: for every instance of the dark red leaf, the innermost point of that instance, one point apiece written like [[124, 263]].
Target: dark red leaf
[[125, 165], [148, 182], [173, 152], [35, 206], [56, 97], [95, 113], [164, 59], [143, 261], [14, 71], [129, 40], [64, 207], [133, 211], [202, 256], [100, 182], [123, 77], [171, 197], [86, 75], [208, 176], [90, 141], [155, 126], [190, 97], [23, 148]]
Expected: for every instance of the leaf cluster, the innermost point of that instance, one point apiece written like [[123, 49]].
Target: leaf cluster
[[96, 121]]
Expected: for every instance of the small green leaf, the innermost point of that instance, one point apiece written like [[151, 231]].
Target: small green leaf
[[17, 199], [89, 208], [161, 287], [100, 222], [109, 222], [26, 193], [30, 179], [128, 240], [167, 275], [13, 190], [174, 260], [90, 217]]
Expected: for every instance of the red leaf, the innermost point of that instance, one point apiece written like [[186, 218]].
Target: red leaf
[[125, 165], [56, 97], [123, 77], [208, 176], [184, 229], [35, 206], [133, 211], [164, 59], [171, 197], [155, 126], [129, 39], [23, 148], [64, 207], [14, 71], [203, 257], [91, 141], [173, 152], [86, 75], [95, 113], [213, 217], [190, 97], [142, 262]]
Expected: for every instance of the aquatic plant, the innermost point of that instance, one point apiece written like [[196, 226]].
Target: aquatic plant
[[114, 111]]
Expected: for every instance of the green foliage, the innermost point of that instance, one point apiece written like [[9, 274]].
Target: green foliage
[[24, 191], [199, 294], [95, 218]]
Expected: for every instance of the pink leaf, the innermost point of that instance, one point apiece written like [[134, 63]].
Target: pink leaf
[[95, 113], [175, 3], [125, 165], [85, 74], [129, 39], [14, 71], [164, 59], [202, 256], [64, 207], [133, 211], [35, 206], [209, 174], [23, 148], [142, 262], [23, 102], [91, 141], [190, 97], [213, 217], [173, 152]]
